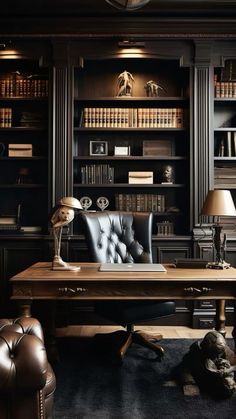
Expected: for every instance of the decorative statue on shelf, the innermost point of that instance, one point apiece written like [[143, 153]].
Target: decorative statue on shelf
[[209, 365], [63, 215], [102, 202], [152, 88], [86, 202], [125, 84], [167, 174]]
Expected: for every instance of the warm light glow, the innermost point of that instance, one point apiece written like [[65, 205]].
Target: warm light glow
[[131, 52], [10, 54]]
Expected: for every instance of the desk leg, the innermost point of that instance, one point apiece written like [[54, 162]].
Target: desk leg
[[25, 308], [220, 316], [50, 331]]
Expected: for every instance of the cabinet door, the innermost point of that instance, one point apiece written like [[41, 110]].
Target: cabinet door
[[131, 144]]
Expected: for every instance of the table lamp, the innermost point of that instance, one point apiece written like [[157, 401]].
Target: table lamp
[[218, 203], [63, 215]]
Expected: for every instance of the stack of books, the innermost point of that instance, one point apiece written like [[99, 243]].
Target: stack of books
[[225, 177]]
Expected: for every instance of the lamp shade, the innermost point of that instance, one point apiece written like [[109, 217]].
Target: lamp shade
[[219, 203]]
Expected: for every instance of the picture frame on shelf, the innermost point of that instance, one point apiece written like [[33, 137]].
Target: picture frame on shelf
[[121, 150], [98, 148]]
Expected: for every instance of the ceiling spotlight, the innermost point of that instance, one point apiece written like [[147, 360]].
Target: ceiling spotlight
[[128, 4], [131, 44]]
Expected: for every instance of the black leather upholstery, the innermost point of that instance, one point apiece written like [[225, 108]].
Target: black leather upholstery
[[116, 237]]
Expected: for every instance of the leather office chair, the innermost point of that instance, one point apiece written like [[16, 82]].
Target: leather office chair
[[27, 381], [116, 237]]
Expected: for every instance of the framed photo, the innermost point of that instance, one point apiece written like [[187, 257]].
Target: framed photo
[[98, 148], [122, 151]]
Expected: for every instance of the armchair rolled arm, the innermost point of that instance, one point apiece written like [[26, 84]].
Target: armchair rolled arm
[[23, 362], [26, 325]]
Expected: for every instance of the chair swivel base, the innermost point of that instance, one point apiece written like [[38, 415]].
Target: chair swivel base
[[119, 342]]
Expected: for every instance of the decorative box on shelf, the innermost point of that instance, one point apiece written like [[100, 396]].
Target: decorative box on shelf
[[141, 177], [20, 150]]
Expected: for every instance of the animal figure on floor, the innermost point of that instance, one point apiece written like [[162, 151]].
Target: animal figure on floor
[[210, 364]]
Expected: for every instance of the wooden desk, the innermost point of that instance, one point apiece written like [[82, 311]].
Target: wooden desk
[[39, 282]]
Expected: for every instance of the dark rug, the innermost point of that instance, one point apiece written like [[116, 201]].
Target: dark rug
[[90, 386]]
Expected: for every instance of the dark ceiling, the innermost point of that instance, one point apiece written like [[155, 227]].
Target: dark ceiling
[[54, 8]]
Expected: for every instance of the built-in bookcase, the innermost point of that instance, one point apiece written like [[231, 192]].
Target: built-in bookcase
[[139, 134], [225, 132], [24, 142]]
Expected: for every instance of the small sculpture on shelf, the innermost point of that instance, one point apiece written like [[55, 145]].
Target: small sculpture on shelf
[[125, 84], [152, 88], [167, 175], [86, 202], [102, 202], [62, 216]]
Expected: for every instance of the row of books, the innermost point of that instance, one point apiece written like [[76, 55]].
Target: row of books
[[5, 117], [132, 118], [225, 89], [165, 228], [225, 176], [227, 146], [24, 87], [140, 202], [97, 174]]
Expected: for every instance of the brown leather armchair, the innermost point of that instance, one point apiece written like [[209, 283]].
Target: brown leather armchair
[[116, 237], [27, 381]]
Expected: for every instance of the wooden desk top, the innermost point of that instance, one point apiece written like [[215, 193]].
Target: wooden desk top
[[42, 271]]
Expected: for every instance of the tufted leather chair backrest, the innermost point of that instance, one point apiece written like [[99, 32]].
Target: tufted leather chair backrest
[[116, 237]]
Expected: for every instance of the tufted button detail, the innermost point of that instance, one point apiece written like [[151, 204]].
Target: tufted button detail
[[99, 245], [12, 356]]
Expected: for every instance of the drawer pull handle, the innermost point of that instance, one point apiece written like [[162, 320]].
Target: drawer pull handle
[[72, 291], [202, 290]]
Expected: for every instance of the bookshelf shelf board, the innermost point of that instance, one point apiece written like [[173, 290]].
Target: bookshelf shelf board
[[24, 129], [23, 158], [133, 99], [22, 186], [129, 158], [225, 158], [129, 129], [23, 99], [225, 99], [224, 129], [168, 213], [129, 185], [225, 186]]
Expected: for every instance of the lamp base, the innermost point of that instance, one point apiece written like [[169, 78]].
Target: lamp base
[[59, 265], [218, 265]]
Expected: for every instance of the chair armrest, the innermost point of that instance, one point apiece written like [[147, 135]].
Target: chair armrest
[[27, 325], [23, 362]]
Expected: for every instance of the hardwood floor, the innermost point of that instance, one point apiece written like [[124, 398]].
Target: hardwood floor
[[168, 332]]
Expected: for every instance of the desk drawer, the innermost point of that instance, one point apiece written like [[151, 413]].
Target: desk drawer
[[81, 290]]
